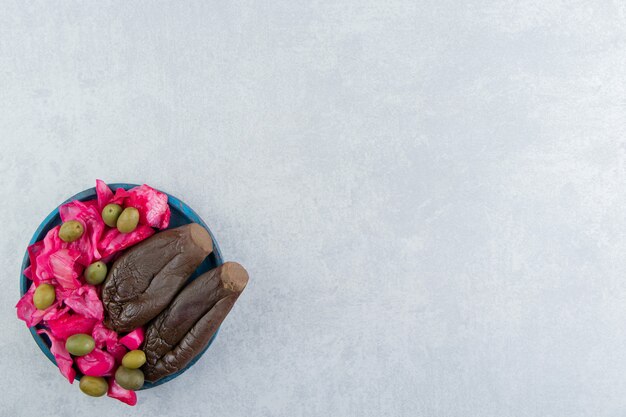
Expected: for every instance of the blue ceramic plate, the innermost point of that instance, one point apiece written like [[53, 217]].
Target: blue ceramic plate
[[181, 214]]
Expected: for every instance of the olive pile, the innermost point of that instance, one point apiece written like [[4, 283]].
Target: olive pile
[[125, 220], [113, 215], [127, 376]]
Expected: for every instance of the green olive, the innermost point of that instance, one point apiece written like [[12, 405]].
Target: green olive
[[127, 222], [134, 359], [80, 344], [71, 231], [110, 213], [129, 378], [95, 386], [96, 273], [44, 296]]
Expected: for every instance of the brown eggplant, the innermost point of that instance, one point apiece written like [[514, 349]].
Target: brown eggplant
[[184, 329], [143, 281]]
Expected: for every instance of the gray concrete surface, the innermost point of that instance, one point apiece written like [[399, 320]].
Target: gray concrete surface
[[430, 196]]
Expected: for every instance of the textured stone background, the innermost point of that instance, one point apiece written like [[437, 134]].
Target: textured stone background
[[429, 195]]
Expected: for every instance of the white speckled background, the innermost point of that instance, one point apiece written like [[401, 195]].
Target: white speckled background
[[430, 196]]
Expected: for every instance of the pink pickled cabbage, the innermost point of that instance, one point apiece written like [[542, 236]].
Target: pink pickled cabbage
[[88, 214], [114, 241], [118, 351], [133, 339], [55, 313], [69, 324], [124, 395], [103, 336], [64, 268], [28, 272], [34, 250], [54, 261], [96, 363], [119, 197], [61, 355], [103, 193], [51, 244], [85, 301], [106, 196], [63, 293], [152, 205]]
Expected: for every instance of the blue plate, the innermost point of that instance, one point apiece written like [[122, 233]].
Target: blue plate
[[181, 214]]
